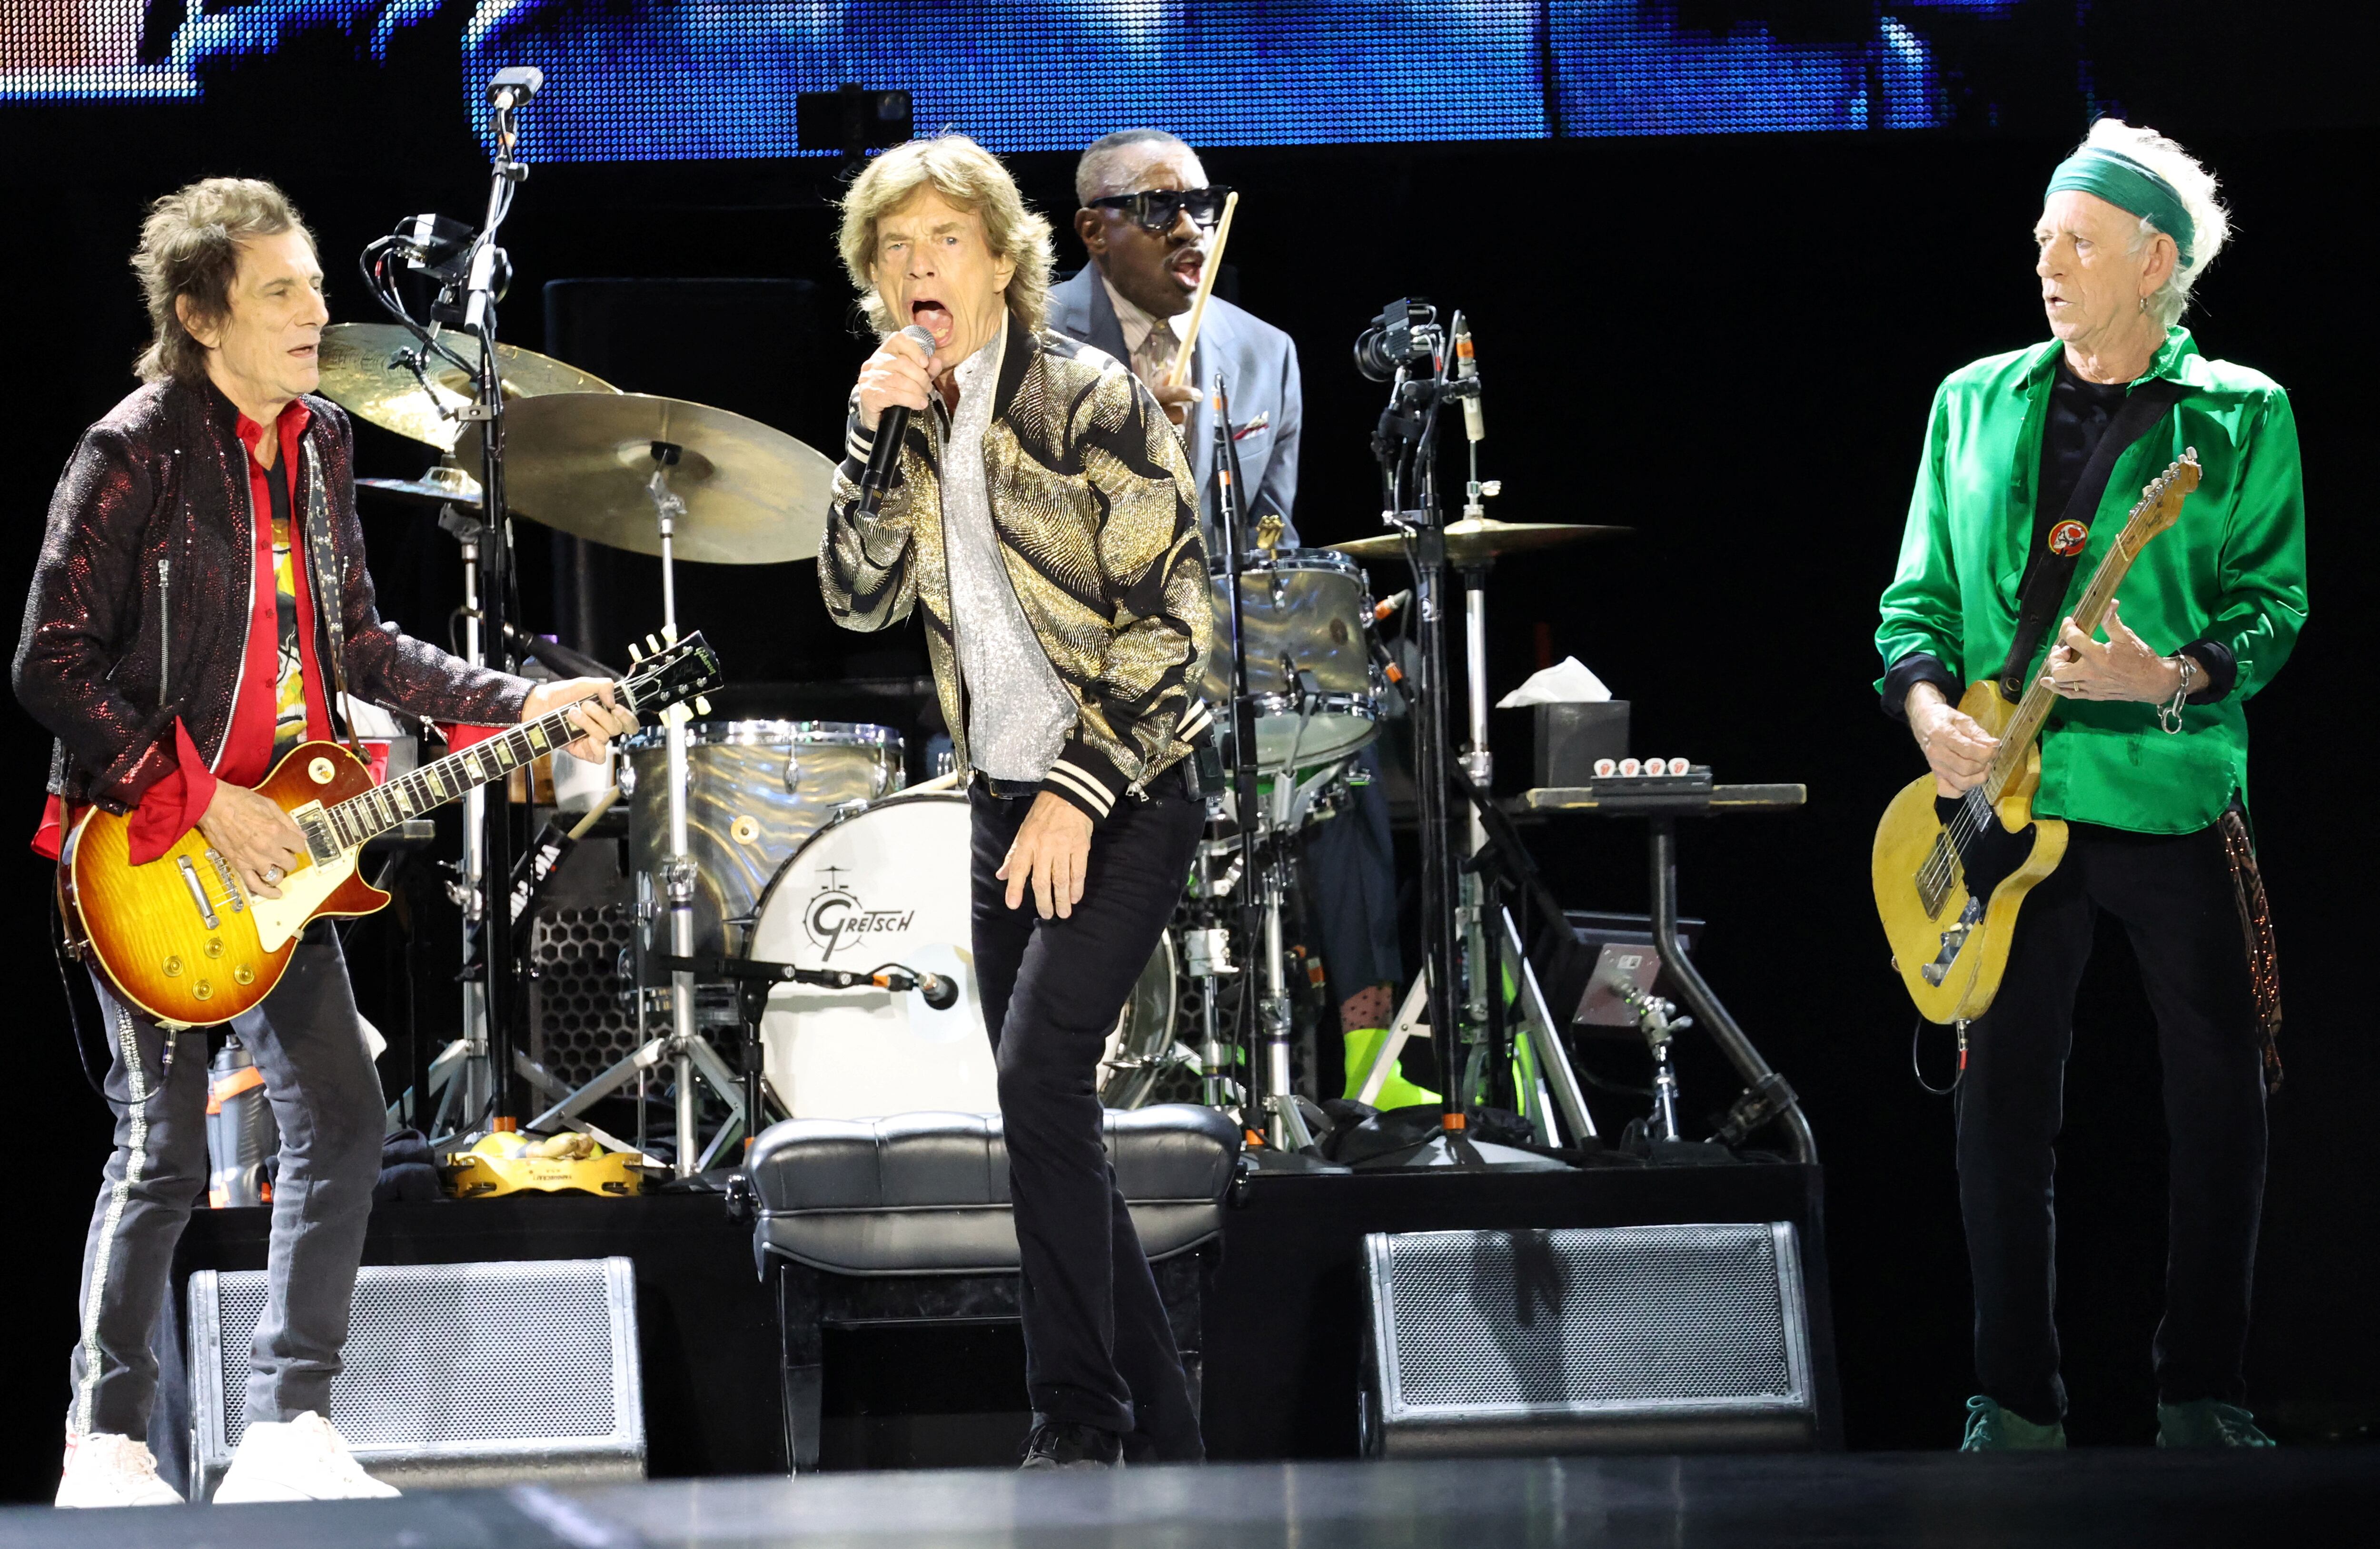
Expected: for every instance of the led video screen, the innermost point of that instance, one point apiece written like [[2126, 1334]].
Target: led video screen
[[666, 80]]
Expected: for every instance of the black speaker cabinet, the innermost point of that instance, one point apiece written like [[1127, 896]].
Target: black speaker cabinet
[[456, 1374], [1662, 1339]]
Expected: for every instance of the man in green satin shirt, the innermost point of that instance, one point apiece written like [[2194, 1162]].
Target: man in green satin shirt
[[2145, 757]]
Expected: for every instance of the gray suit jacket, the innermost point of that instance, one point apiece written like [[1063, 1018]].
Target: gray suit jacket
[[1259, 366]]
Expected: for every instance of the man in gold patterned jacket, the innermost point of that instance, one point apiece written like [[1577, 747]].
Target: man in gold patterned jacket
[[1041, 516]]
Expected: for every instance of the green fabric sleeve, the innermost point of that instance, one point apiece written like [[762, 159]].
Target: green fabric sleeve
[[2262, 604], [1921, 607]]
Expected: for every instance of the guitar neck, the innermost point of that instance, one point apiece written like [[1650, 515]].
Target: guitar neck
[[2032, 709], [383, 808]]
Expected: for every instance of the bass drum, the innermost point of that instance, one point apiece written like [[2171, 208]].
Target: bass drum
[[889, 883]]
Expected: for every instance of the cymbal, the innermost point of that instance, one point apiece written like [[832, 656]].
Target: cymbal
[[1473, 542], [443, 485], [579, 463], [358, 375]]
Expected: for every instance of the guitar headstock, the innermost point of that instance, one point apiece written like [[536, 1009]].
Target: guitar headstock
[[2160, 504], [671, 674]]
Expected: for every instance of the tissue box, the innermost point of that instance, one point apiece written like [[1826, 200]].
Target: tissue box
[[1571, 737]]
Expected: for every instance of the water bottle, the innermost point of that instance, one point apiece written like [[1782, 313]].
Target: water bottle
[[241, 1135]]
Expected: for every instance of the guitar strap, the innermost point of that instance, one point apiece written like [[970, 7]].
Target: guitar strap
[[2057, 547], [330, 596]]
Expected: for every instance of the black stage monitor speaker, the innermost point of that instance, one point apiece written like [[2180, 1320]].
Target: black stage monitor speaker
[[456, 1374], [1661, 1338]]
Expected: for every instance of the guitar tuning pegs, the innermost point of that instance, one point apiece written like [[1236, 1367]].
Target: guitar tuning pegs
[[669, 633], [653, 642], [636, 652], [702, 704]]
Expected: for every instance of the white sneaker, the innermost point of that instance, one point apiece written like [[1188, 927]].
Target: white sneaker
[[109, 1470], [300, 1459]]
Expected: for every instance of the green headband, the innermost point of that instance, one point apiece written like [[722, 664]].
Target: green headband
[[2127, 185]]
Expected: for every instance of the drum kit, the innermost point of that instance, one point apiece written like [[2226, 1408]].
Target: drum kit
[[798, 844]]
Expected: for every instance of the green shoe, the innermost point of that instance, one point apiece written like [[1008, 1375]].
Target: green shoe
[[1991, 1428], [2208, 1422], [1396, 1092]]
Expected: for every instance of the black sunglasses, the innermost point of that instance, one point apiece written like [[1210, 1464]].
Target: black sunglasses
[[1158, 209]]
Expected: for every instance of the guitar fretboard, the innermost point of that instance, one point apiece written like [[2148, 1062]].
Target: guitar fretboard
[[382, 807]]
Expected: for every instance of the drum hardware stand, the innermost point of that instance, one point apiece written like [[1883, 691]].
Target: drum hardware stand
[[1261, 904], [690, 1055], [1403, 348], [1658, 1020], [462, 1075]]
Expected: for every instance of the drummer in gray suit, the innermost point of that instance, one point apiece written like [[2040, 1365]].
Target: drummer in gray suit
[[1147, 218]]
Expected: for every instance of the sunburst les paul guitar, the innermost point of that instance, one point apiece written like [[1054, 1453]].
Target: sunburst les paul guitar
[[188, 944], [1952, 872]]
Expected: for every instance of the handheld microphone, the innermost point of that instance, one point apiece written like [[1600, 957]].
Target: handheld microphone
[[940, 991], [891, 429], [1466, 368]]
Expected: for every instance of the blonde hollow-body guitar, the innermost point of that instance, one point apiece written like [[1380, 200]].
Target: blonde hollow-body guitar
[[1952, 873], [185, 941]]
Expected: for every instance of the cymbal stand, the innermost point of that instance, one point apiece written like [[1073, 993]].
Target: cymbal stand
[[462, 1075], [1260, 858], [692, 1056]]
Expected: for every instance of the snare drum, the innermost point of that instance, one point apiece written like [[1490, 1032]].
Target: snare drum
[[1303, 611], [755, 790], [890, 884]]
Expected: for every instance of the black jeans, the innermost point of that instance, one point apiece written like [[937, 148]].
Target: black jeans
[[2174, 895], [318, 1073], [1098, 1349]]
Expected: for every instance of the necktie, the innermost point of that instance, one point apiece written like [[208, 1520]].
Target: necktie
[[1154, 356]]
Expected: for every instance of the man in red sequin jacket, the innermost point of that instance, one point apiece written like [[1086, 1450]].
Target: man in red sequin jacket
[[199, 607]]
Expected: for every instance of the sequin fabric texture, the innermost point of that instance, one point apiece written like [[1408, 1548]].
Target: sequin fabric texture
[[1091, 496], [1018, 713], [141, 604]]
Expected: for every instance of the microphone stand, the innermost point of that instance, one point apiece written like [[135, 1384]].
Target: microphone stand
[[1404, 446], [492, 818]]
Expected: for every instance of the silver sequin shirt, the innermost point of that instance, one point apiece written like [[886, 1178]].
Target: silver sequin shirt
[[1018, 713]]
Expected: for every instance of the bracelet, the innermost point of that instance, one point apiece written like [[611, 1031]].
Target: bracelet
[[2169, 714]]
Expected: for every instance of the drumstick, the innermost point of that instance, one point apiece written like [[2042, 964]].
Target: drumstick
[[602, 805], [940, 782], [1205, 288]]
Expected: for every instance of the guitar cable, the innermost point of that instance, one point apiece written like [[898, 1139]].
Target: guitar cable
[[1917, 1070]]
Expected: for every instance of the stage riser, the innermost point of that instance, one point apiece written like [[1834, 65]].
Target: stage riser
[[1283, 1318]]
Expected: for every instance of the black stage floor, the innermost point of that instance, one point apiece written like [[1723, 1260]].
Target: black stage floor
[[2091, 1498]]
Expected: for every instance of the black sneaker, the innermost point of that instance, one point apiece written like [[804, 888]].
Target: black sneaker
[[1062, 1444]]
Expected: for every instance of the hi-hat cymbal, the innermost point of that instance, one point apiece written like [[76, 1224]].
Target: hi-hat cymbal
[[443, 485], [361, 375], [1475, 543], [579, 463]]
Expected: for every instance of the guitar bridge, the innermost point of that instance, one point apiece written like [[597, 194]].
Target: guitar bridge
[[197, 893], [1953, 939]]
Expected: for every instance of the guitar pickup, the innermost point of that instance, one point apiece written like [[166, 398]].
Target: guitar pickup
[[198, 892]]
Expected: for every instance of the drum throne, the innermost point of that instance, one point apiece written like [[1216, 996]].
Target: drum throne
[[906, 1219]]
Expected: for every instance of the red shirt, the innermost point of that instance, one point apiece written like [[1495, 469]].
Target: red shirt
[[171, 806]]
